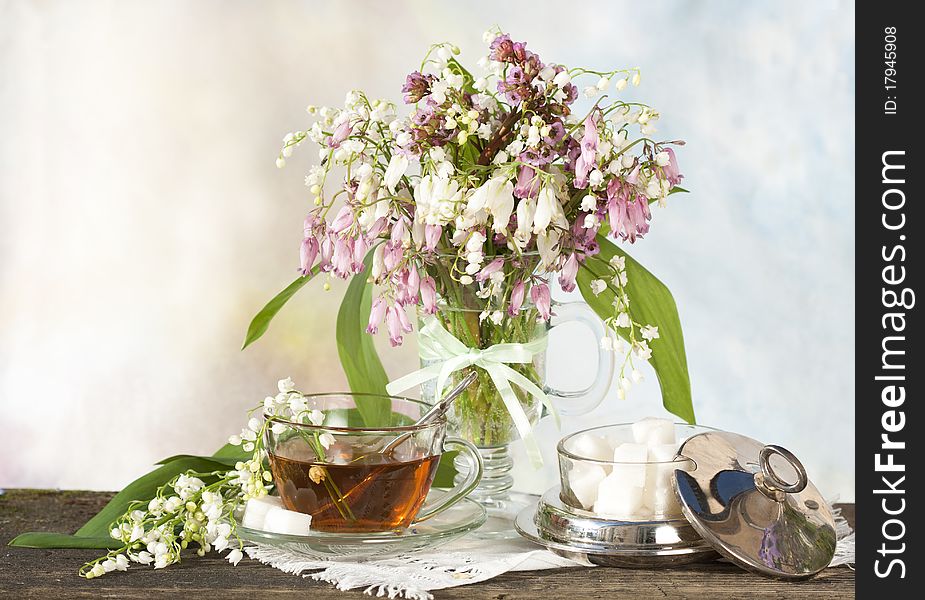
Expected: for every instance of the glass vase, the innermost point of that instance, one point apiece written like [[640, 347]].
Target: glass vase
[[481, 417]]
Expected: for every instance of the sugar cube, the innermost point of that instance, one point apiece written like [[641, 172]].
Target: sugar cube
[[256, 509], [584, 480], [629, 464], [652, 431], [617, 500], [662, 453], [663, 502], [588, 445], [280, 520]]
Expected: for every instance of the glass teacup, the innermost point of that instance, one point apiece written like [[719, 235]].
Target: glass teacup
[[346, 470]]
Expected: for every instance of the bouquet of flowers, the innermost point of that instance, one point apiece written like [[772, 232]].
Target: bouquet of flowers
[[466, 206]]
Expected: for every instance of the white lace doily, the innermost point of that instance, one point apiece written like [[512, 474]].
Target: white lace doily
[[464, 562]]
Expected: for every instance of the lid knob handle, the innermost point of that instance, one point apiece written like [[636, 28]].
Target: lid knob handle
[[771, 479]]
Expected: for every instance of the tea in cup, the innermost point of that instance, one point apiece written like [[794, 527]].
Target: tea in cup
[[340, 465]]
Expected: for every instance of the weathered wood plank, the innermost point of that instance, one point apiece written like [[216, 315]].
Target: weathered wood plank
[[28, 573]]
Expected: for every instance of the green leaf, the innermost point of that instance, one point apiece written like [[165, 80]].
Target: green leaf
[[144, 488], [43, 539], [220, 461], [261, 321], [232, 452], [650, 304], [446, 470], [678, 190], [95, 532], [358, 356]]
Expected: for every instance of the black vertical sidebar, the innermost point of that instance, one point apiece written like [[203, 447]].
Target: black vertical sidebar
[[888, 274]]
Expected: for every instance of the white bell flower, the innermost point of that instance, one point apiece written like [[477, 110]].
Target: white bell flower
[[548, 210], [437, 199], [526, 209], [495, 197], [547, 243]]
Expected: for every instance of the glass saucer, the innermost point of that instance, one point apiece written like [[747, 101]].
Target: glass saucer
[[451, 524]]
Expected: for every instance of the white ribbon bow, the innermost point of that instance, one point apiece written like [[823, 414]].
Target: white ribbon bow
[[438, 344]]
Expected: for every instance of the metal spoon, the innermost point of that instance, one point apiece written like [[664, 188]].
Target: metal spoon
[[435, 411]]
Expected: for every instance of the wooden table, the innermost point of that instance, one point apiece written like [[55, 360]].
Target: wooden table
[[27, 573]]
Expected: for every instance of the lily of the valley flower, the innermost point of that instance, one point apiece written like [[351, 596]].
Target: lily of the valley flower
[[598, 286], [285, 385], [317, 474], [316, 417], [649, 333]]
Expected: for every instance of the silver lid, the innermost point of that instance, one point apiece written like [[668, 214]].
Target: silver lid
[[755, 505]]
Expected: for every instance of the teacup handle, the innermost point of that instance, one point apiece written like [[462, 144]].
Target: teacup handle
[[583, 401], [462, 489]]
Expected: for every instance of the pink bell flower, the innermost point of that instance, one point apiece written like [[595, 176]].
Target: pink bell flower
[[391, 256], [429, 295], [568, 273], [628, 212], [528, 184], [376, 313], [307, 254], [539, 294], [492, 267], [342, 259], [308, 225], [404, 320], [517, 298], [432, 236], [413, 283], [671, 170], [343, 220], [393, 322], [377, 227], [340, 134], [400, 230], [585, 162], [327, 251], [359, 253]]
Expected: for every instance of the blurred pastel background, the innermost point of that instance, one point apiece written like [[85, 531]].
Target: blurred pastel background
[[143, 222]]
